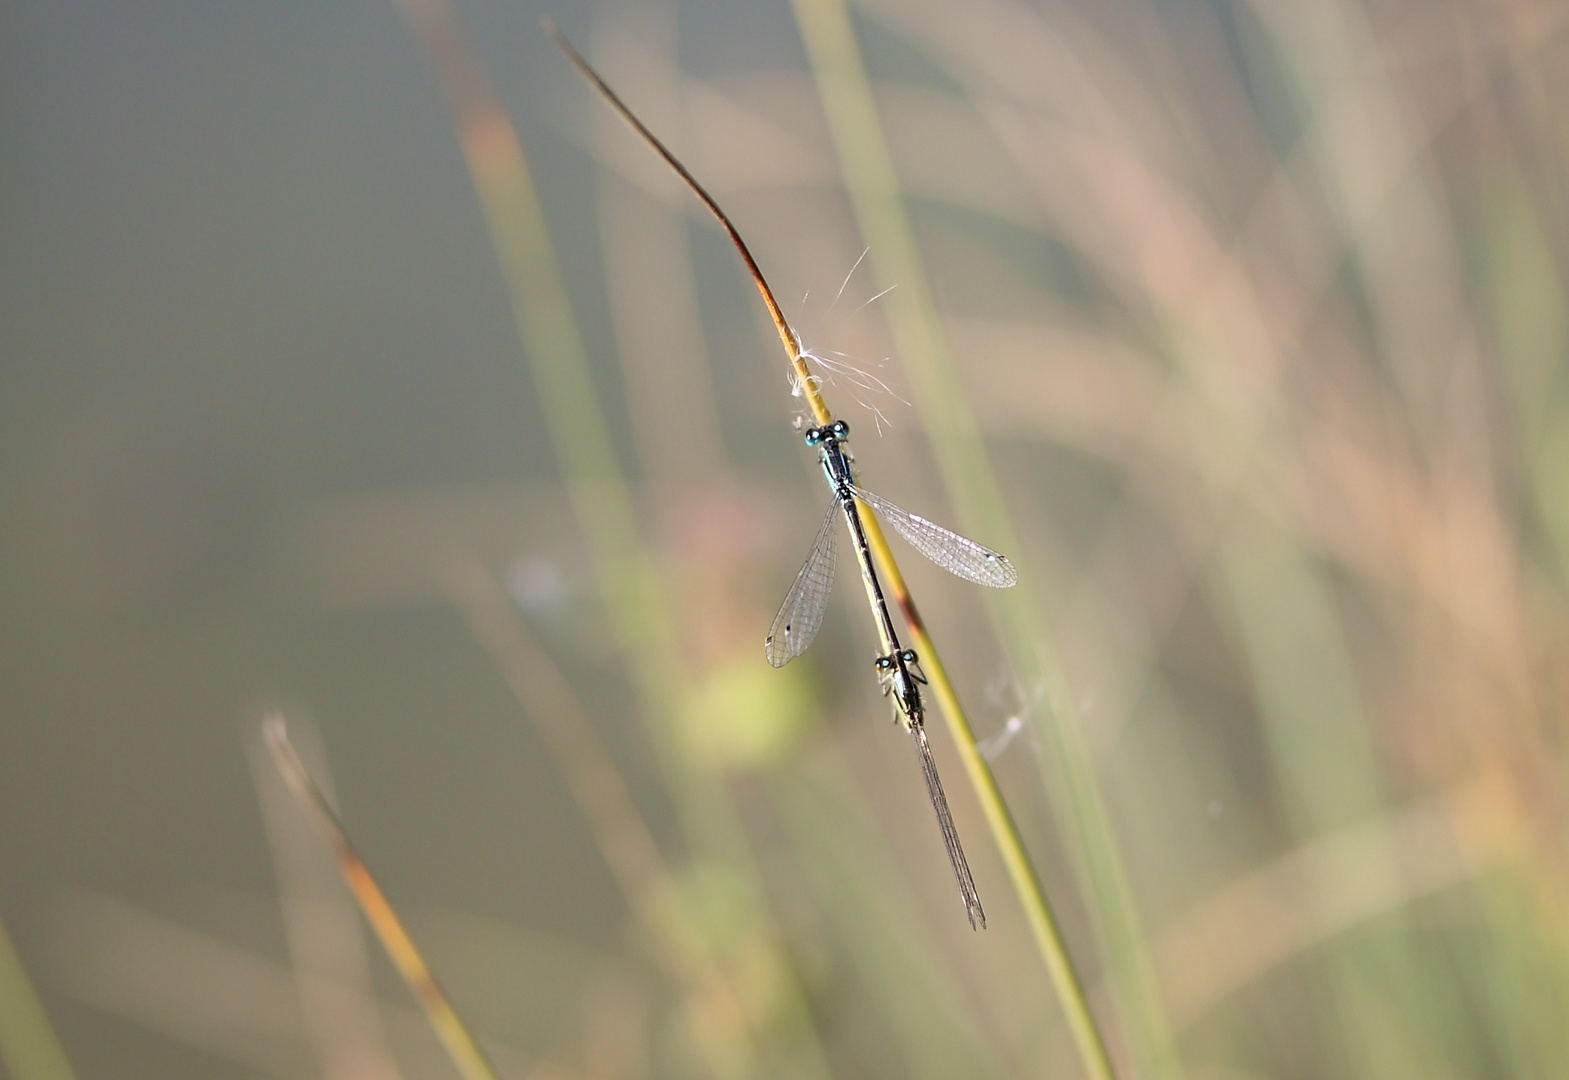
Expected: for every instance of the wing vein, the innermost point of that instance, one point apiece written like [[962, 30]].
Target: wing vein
[[954, 553], [801, 614]]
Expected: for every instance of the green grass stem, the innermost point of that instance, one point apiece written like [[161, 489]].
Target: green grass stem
[[28, 1044], [971, 484]]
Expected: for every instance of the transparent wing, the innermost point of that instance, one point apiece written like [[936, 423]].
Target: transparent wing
[[948, 550], [801, 614]]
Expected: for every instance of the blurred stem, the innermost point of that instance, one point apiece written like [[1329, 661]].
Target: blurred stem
[[461, 1046], [972, 487], [868, 905], [28, 1044], [601, 793], [580, 434], [545, 695], [1310, 706], [553, 346]]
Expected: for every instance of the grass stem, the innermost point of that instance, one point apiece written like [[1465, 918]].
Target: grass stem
[[879, 209], [29, 1046], [1087, 1036], [462, 1047]]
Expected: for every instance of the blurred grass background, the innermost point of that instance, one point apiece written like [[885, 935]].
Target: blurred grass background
[[1260, 312]]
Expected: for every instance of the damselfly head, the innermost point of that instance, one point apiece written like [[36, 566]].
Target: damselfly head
[[838, 431]]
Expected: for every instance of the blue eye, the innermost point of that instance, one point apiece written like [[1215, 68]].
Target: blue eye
[[841, 430], [814, 436], [908, 656]]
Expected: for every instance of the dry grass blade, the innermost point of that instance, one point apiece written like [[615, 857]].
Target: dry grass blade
[[461, 1045], [787, 336], [330, 959]]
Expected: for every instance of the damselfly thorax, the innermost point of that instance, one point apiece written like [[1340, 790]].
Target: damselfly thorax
[[801, 614]]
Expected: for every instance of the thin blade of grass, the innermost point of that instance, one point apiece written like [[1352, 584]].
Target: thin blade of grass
[[624, 838], [28, 1044], [326, 941], [1312, 712], [787, 336], [461, 1045], [869, 910], [649, 280], [1087, 1037]]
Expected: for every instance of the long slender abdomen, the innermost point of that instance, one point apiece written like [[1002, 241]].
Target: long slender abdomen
[[950, 835]]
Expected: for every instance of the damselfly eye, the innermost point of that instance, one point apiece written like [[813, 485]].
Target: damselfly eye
[[814, 436], [840, 429], [884, 663], [908, 656]]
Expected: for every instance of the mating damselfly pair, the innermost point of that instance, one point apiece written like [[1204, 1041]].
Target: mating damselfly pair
[[801, 616]]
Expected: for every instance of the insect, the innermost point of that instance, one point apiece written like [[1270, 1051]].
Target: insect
[[801, 616], [898, 669]]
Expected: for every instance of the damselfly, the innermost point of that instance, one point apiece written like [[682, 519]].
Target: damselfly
[[898, 669], [801, 615]]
